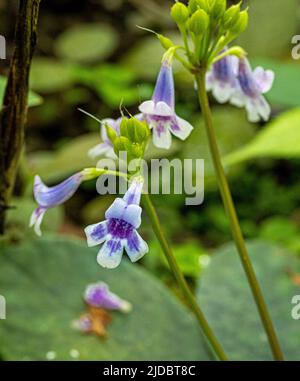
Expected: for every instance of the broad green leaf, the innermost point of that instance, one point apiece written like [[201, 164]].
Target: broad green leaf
[[272, 23], [86, 42], [43, 281], [232, 131], [33, 98], [229, 306], [48, 75], [279, 139], [285, 90]]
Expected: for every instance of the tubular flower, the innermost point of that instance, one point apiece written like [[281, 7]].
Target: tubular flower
[[106, 148], [251, 86], [49, 197], [159, 112], [118, 231], [98, 295], [221, 79]]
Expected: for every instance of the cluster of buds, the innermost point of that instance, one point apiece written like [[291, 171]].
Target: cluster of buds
[[208, 26], [132, 139]]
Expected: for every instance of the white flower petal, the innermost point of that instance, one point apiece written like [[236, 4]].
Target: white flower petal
[[162, 137], [222, 91], [96, 233], [181, 128], [98, 150], [135, 246], [110, 254], [264, 79]]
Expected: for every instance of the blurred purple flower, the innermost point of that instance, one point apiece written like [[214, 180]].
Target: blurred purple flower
[[49, 197], [118, 231], [98, 295], [251, 86], [106, 147], [222, 78], [159, 113]]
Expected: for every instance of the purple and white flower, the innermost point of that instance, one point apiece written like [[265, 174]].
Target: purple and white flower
[[98, 295], [106, 147], [159, 113], [119, 230], [49, 197], [251, 86], [221, 79]]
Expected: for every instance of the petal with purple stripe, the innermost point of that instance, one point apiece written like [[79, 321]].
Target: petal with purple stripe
[[96, 233], [135, 246], [110, 254]]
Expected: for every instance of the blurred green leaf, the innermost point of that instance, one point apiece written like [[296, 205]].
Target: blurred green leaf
[[43, 282], [114, 84], [86, 42], [33, 98], [279, 139], [146, 55], [285, 90], [229, 306], [69, 158], [48, 75], [272, 23], [232, 131], [282, 231]]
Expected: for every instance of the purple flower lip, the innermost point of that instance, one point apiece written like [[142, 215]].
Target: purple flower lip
[[49, 197], [118, 231], [160, 113], [98, 295]]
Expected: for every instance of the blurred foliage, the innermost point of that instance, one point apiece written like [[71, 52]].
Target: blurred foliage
[[229, 306], [44, 280], [280, 139]]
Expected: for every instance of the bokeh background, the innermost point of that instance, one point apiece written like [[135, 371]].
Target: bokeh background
[[91, 55]]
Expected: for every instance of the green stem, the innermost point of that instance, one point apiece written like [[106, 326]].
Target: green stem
[[180, 278], [234, 222]]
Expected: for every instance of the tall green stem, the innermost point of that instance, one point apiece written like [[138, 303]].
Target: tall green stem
[[234, 222], [180, 278]]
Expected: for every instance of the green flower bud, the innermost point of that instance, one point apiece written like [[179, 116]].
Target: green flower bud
[[165, 41], [231, 16], [218, 9], [198, 23], [241, 25], [134, 130], [122, 144], [111, 133], [194, 5], [179, 13], [137, 151]]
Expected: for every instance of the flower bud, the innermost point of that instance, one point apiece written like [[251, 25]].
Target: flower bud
[[194, 5], [218, 9], [111, 133], [165, 41], [198, 22], [121, 144], [231, 16], [134, 130], [179, 13], [241, 25]]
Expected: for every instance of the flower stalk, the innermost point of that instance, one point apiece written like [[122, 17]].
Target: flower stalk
[[156, 226], [233, 218]]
